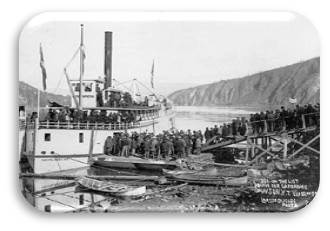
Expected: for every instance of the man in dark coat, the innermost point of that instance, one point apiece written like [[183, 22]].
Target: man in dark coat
[[108, 145], [207, 134]]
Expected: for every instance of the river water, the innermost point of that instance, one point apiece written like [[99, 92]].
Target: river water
[[198, 118]]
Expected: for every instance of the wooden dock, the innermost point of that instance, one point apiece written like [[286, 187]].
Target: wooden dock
[[280, 145]]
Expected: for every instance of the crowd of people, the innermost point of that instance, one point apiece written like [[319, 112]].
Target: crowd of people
[[101, 116], [92, 116], [179, 144], [121, 100], [268, 121], [287, 119], [166, 145]]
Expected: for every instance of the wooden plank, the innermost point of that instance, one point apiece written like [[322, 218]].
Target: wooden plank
[[73, 177], [223, 144], [304, 146], [264, 152], [210, 140]]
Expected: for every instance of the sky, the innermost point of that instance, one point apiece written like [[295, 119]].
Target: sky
[[185, 51]]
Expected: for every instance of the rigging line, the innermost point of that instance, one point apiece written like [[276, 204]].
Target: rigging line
[[85, 200], [59, 202], [147, 88], [71, 60], [122, 83], [68, 64], [78, 161], [58, 85], [64, 194]]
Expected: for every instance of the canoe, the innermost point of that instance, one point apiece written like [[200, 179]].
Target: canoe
[[204, 177], [134, 163], [111, 188]]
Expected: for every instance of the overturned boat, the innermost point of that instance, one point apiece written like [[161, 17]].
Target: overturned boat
[[133, 162], [111, 188]]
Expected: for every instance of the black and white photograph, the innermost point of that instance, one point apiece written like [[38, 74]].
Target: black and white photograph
[[183, 113]]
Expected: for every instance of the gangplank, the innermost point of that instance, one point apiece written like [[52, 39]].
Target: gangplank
[[282, 145]]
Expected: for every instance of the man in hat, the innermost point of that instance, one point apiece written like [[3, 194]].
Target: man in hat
[[154, 147], [108, 145], [181, 147], [125, 145], [198, 145], [207, 134]]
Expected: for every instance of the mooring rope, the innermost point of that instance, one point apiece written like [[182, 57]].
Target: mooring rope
[[59, 202]]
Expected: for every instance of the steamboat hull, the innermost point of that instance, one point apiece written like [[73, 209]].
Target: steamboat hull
[[51, 149]]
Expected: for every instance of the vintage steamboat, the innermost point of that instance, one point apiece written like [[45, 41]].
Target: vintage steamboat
[[55, 146]]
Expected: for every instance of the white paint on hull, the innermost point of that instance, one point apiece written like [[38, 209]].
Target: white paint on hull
[[63, 149]]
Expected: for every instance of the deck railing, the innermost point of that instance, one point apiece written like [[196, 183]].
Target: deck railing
[[281, 123], [267, 127], [92, 126], [278, 124]]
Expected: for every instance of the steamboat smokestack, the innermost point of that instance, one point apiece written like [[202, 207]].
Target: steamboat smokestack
[[108, 59]]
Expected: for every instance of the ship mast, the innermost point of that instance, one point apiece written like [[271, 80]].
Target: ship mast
[[82, 58], [108, 59]]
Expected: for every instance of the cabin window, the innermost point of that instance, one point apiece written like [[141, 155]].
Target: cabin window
[[76, 86], [81, 137], [88, 87], [47, 136], [21, 111]]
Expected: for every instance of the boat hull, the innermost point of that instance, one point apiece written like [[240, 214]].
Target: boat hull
[[199, 177], [52, 149], [155, 167], [134, 163], [111, 188]]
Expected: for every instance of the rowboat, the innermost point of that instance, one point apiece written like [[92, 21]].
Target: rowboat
[[204, 177], [115, 189], [134, 163]]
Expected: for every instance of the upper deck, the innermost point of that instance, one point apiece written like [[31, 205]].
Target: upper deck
[[95, 96], [104, 118]]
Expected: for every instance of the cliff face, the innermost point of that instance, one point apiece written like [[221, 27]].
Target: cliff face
[[28, 96], [273, 87]]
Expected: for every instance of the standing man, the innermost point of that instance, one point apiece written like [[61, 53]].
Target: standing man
[[198, 145], [108, 145]]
